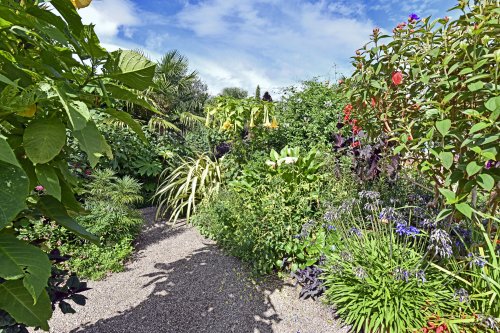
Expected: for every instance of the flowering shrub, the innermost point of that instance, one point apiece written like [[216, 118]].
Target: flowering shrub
[[378, 273], [235, 115], [432, 89]]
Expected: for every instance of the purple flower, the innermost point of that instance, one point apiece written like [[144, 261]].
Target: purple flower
[[39, 188], [413, 17], [440, 243], [477, 260], [462, 295], [403, 229], [355, 231]]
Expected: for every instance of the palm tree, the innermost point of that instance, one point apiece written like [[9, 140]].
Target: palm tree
[[179, 93]]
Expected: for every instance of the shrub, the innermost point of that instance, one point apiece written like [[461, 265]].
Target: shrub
[[308, 115], [265, 216], [433, 90], [53, 72], [111, 217]]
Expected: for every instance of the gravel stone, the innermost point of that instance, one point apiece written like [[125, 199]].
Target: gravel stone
[[178, 281]]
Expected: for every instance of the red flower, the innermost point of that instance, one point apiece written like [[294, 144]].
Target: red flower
[[410, 137], [397, 78], [355, 144], [348, 108], [374, 102], [356, 129]]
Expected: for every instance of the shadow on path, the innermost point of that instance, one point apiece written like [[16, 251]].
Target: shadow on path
[[204, 292]]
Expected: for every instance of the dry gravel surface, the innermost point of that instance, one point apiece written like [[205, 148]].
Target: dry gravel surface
[[178, 282]]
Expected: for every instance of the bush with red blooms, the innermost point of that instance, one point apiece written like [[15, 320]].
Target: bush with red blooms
[[433, 89]]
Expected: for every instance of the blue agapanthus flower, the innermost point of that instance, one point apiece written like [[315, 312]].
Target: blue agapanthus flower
[[414, 17], [403, 229]]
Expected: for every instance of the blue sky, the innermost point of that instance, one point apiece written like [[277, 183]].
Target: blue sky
[[273, 43]]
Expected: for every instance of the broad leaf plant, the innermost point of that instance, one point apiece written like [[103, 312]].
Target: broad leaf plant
[[54, 77]]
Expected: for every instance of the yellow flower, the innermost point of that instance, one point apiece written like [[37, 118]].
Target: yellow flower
[[80, 3], [227, 125], [274, 124]]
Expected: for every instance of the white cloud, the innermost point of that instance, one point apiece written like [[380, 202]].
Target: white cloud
[[243, 43], [110, 16], [272, 42]]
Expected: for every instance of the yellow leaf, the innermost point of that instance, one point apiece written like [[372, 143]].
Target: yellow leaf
[[81, 3], [29, 111]]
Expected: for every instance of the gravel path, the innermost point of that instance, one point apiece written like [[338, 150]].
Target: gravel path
[[181, 282]]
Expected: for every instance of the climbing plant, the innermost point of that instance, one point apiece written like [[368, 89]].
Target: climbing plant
[[54, 77]]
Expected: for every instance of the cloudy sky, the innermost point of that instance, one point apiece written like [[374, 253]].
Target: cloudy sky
[[273, 43]]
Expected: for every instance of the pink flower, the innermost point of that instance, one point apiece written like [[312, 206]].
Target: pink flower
[[88, 172], [39, 188], [397, 78]]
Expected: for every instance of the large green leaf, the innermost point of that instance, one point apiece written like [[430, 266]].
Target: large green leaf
[[14, 188], [124, 94], [93, 143], [130, 68], [472, 168], [447, 159], [128, 120], [21, 260], [17, 301], [77, 111], [43, 140], [52, 208], [6, 153], [47, 177], [443, 126], [69, 13]]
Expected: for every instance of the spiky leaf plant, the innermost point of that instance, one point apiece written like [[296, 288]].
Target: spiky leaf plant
[[180, 191]]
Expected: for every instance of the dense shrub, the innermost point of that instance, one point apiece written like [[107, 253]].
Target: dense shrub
[[266, 215], [55, 79], [309, 115], [111, 217], [432, 89]]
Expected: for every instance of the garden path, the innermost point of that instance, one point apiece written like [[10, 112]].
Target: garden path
[[180, 282]]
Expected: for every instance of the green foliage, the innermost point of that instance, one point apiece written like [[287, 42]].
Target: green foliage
[[53, 80], [380, 281], [439, 104], [234, 92], [277, 204], [95, 262], [111, 217], [479, 274], [257, 92], [181, 190], [134, 157], [308, 115], [236, 114]]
